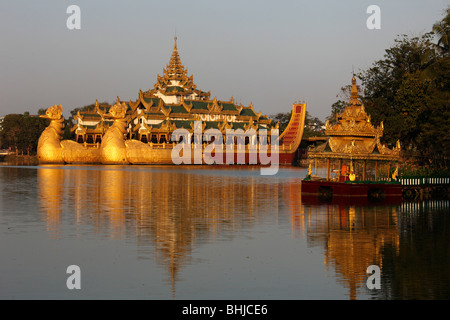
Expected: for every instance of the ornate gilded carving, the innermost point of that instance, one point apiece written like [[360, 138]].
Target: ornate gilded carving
[[49, 147], [354, 135], [113, 149], [214, 107]]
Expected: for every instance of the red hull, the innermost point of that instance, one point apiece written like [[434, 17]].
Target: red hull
[[321, 191]]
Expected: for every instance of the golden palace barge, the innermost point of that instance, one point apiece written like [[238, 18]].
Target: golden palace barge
[[141, 131]]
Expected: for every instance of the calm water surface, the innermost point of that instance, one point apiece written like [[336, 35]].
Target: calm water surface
[[146, 232]]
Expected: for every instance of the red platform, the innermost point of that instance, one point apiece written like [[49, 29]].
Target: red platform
[[359, 193]]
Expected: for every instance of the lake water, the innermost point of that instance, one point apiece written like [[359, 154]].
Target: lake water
[[170, 232]]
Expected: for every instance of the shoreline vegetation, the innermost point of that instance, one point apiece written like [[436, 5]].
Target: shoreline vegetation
[[406, 168], [19, 159]]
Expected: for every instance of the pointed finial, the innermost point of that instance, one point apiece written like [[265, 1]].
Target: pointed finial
[[175, 44], [354, 91]]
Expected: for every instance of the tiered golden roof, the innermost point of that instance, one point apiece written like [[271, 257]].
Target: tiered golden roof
[[175, 79], [354, 136], [174, 102]]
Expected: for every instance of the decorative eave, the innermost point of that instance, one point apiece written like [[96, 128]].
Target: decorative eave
[[134, 105], [352, 149], [264, 121], [78, 117], [78, 128], [101, 127], [185, 105], [214, 107], [203, 126], [144, 127], [163, 109], [250, 125], [350, 156], [353, 128], [225, 125], [147, 105], [250, 107], [167, 126]]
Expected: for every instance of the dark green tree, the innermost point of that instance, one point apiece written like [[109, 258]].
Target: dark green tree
[[21, 132], [408, 92], [33, 127], [313, 125], [11, 130], [442, 30], [282, 118], [388, 81]]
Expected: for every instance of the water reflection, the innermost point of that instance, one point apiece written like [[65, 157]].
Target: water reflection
[[353, 238], [169, 212], [418, 267]]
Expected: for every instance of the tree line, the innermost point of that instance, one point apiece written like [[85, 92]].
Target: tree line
[[20, 132], [409, 90]]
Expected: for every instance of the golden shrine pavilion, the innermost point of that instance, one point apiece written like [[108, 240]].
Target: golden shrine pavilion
[[353, 150]]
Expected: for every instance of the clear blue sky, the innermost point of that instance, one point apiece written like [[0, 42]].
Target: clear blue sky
[[271, 53]]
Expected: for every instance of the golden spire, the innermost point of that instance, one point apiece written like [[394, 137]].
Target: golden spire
[[175, 69], [354, 92], [175, 75]]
